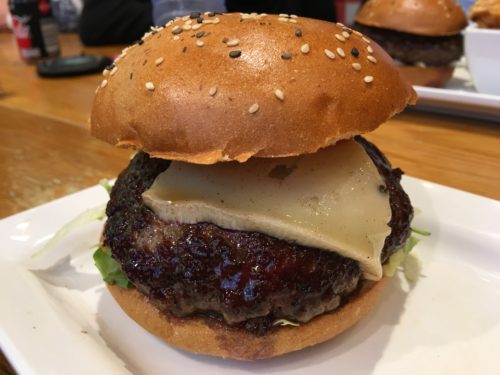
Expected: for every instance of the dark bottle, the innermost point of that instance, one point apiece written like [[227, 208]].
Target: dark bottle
[[35, 29]]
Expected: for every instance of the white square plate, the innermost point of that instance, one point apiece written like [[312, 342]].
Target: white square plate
[[60, 319]]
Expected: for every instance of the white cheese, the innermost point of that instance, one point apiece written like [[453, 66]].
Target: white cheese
[[329, 200]]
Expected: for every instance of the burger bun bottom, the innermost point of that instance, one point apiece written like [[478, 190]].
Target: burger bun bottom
[[431, 76], [210, 337]]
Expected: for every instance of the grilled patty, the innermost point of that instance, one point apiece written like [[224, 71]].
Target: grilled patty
[[411, 49], [245, 279]]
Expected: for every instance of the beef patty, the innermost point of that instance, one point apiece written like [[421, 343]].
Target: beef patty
[[411, 49], [245, 279]]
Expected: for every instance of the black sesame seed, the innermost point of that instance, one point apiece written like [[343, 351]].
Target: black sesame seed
[[211, 14], [234, 54], [140, 42], [199, 34], [199, 20], [131, 75], [298, 32], [184, 49], [177, 31], [110, 67], [218, 13], [355, 52], [347, 30], [286, 55], [194, 15]]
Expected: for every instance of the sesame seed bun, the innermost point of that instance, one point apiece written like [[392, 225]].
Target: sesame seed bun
[[246, 85], [486, 13], [198, 336], [421, 17]]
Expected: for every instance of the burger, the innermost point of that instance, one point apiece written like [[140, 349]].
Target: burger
[[423, 36], [254, 219]]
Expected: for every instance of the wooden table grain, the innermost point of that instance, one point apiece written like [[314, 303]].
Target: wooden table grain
[[46, 152]]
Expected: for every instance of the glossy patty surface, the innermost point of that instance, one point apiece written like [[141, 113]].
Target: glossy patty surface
[[247, 279]]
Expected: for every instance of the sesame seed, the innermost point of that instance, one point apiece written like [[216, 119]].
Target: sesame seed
[[105, 72], [369, 49], [176, 37], [194, 15], [368, 79], [188, 22], [113, 71], [340, 37], [356, 32], [184, 49], [212, 91], [298, 32], [199, 34], [345, 34], [216, 21], [372, 59], [356, 66], [366, 39], [232, 42], [339, 24], [341, 52], [283, 15], [131, 75], [347, 30], [329, 54], [200, 43], [234, 54], [186, 27], [150, 86], [177, 30], [305, 48], [283, 19], [292, 20], [140, 42], [286, 55], [196, 26], [279, 94], [293, 16], [169, 23], [355, 52], [158, 61], [199, 20], [104, 83], [253, 108], [210, 14]]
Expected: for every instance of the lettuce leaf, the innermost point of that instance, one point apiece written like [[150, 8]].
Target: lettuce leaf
[[110, 269]]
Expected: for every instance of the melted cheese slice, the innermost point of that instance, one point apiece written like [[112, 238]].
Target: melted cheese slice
[[329, 200]]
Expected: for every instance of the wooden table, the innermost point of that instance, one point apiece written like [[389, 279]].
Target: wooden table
[[45, 151]]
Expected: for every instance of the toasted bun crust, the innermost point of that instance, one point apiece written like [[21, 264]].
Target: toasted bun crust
[[196, 335], [486, 13], [430, 76], [199, 109], [421, 17]]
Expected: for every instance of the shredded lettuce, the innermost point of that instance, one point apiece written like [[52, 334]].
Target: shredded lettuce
[[284, 322], [402, 258], [421, 232], [105, 183], [88, 216], [110, 269]]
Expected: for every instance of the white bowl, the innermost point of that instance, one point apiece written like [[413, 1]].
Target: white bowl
[[482, 50]]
